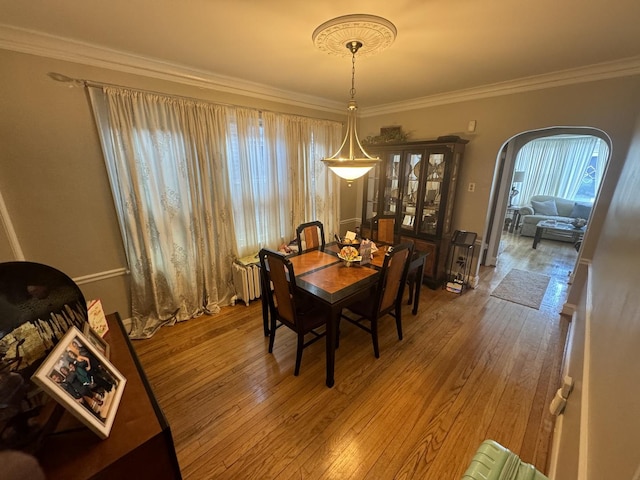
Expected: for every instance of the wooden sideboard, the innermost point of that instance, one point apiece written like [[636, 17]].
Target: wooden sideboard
[[140, 444]]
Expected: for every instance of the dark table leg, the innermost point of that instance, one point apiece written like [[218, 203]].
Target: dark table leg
[[538, 236], [418, 284], [332, 328]]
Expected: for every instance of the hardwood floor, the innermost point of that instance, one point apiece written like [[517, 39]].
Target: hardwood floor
[[470, 367]]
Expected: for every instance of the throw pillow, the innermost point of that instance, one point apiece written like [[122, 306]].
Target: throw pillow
[[545, 208], [581, 211]]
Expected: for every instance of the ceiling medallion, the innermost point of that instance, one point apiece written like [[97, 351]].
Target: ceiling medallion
[[375, 34]]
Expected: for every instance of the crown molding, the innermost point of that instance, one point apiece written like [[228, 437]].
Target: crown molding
[[601, 71], [37, 43]]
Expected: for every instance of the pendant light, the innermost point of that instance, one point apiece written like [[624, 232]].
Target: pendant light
[[350, 34]]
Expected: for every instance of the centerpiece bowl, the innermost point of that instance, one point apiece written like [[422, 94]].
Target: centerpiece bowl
[[345, 242], [349, 254]]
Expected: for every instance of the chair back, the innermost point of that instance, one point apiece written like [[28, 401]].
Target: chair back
[[312, 233], [385, 226], [393, 276], [279, 271]]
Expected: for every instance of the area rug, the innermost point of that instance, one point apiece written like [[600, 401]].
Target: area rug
[[522, 287]]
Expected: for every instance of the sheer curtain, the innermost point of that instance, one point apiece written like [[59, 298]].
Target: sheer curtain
[[555, 165], [601, 164], [197, 184], [278, 179]]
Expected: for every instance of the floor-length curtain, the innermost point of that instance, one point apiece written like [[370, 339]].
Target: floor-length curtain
[[555, 165], [167, 168]]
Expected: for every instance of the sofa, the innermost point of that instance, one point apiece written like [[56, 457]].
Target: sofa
[[547, 207]]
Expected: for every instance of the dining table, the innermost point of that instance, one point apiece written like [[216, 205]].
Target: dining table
[[323, 275]]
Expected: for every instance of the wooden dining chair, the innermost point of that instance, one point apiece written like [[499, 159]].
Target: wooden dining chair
[[387, 298], [288, 305], [383, 229], [312, 233]]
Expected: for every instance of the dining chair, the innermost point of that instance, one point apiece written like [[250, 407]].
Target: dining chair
[[288, 305], [312, 233], [383, 228], [387, 299]]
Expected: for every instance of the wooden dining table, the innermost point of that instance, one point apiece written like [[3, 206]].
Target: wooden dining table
[[322, 274]]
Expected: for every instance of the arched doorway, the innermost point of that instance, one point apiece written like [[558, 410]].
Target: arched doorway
[[504, 186]]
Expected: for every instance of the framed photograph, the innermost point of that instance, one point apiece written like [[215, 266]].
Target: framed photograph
[[96, 340], [79, 377]]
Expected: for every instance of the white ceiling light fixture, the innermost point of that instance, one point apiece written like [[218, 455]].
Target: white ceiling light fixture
[[348, 35]]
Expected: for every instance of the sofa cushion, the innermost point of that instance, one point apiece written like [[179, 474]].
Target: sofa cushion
[[581, 211], [545, 208]]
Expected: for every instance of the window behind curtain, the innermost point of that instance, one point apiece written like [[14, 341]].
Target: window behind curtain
[[276, 178], [568, 166]]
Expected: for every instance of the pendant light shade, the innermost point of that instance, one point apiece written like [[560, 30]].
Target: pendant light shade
[[351, 161]]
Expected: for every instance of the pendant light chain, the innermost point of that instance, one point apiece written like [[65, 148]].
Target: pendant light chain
[[353, 47], [351, 161], [353, 75]]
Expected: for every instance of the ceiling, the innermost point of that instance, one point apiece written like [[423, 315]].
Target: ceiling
[[443, 48]]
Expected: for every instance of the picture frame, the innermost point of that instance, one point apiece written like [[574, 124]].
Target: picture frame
[[96, 339], [93, 398], [97, 318]]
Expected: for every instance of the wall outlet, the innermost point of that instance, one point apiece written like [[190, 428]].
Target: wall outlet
[[472, 187]]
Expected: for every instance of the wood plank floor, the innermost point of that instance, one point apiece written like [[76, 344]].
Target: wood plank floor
[[470, 367]]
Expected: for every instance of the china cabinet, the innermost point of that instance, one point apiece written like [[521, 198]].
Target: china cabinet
[[416, 184]]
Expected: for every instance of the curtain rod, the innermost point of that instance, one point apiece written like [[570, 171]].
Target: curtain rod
[[80, 82]]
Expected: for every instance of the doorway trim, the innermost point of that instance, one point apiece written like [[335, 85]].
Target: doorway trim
[[502, 181]]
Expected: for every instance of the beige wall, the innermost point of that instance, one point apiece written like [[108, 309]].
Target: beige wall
[[52, 175], [614, 422], [609, 105], [600, 428]]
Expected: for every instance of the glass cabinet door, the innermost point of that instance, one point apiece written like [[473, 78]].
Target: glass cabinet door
[[410, 191], [432, 193], [372, 186], [391, 186]]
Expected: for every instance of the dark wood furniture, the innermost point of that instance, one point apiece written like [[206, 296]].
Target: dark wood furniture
[[322, 274], [388, 295], [140, 444], [312, 233], [414, 279], [416, 183], [288, 306], [383, 229]]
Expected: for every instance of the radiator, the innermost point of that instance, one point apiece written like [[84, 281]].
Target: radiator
[[246, 280]]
